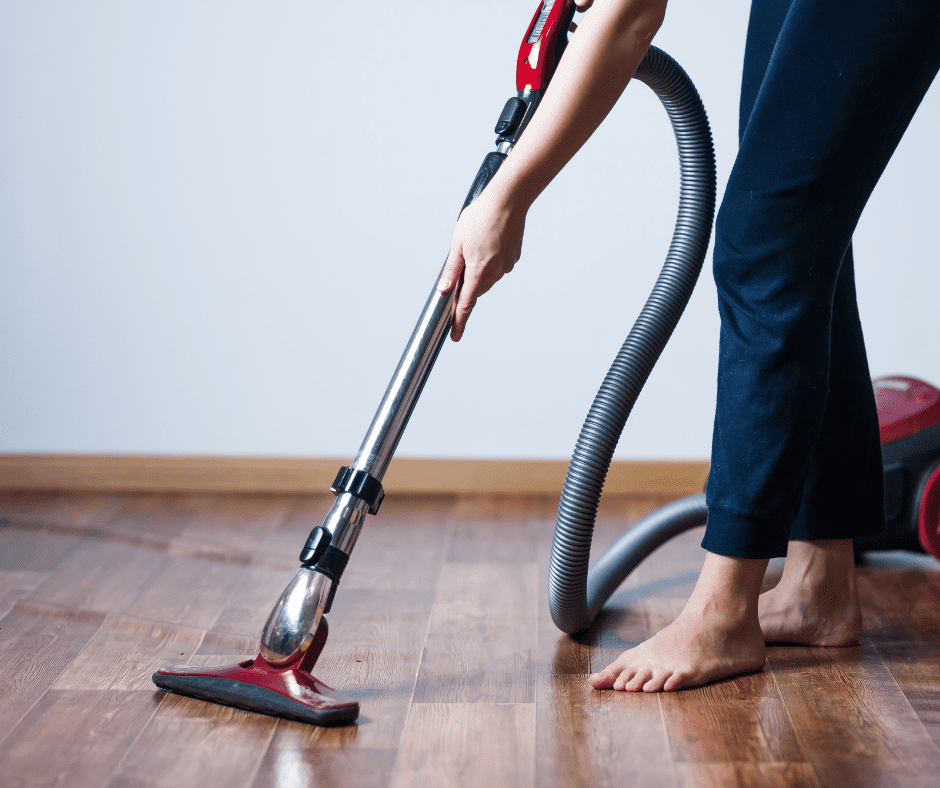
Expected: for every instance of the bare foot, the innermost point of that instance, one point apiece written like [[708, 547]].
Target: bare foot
[[717, 635], [816, 601], [693, 650]]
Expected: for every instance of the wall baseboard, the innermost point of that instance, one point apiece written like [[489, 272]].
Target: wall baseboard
[[100, 473]]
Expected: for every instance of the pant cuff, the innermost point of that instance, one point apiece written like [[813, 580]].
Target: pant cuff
[[821, 522], [740, 536]]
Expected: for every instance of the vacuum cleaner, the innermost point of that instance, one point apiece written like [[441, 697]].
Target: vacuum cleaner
[[279, 680]]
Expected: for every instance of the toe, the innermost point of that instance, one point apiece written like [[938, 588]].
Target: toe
[[617, 671], [675, 680], [604, 679], [639, 679], [625, 677], [655, 684]]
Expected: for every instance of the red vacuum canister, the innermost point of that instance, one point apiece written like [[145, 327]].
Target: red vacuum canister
[[909, 417]]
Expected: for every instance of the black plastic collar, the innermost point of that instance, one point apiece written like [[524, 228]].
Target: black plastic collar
[[361, 484]]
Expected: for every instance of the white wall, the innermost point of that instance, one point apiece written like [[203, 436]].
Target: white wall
[[220, 219]]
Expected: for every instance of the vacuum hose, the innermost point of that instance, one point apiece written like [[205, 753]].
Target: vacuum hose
[[295, 618], [575, 594]]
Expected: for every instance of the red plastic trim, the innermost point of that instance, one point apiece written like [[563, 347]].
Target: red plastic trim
[[308, 698], [905, 406], [536, 60], [928, 518]]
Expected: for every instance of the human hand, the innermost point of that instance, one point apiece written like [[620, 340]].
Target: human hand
[[486, 245], [580, 6]]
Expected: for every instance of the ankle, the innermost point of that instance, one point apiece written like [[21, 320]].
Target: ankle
[[824, 567], [727, 590]]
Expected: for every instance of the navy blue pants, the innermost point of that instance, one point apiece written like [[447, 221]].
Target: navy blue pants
[[828, 90]]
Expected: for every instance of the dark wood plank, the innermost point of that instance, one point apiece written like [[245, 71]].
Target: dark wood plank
[[901, 596], [114, 577], [222, 528], [75, 510], [373, 654], [743, 719], [16, 584], [496, 529], [124, 653], [403, 547], [193, 743], [491, 744], [601, 739], [747, 775], [483, 636], [26, 549], [854, 724], [25, 505], [249, 600], [159, 516], [925, 702], [508, 507], [400, 548], [238, 523], [75, 738], [302, 513], [351, 766], [36, 647]]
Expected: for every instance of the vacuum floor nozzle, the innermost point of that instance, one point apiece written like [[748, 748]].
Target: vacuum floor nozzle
[[282, 689]]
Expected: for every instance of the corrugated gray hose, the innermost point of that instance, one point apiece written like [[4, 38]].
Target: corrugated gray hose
[[576, 595]]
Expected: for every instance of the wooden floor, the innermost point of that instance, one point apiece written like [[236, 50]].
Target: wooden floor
[[441, 630]]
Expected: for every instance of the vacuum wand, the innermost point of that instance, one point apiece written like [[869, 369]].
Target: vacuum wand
[[358, 488]]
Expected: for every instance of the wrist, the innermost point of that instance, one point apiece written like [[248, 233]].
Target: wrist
[[512, 191]]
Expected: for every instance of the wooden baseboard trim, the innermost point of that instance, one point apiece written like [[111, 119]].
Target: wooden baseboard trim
[[100, 473]]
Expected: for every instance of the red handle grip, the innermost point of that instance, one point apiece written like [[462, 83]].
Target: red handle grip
[[543, 44]]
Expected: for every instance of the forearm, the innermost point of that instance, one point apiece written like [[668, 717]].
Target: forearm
[[600, 59]]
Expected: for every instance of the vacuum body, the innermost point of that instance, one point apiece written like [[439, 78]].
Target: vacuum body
[[909, 419]]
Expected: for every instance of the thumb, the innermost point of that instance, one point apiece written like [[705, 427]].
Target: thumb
[[452, 269]]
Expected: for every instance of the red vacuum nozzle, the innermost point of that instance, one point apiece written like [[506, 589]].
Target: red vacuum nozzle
[[283, 689]]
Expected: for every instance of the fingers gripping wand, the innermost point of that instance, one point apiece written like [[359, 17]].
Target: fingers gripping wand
[[278, 681]]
